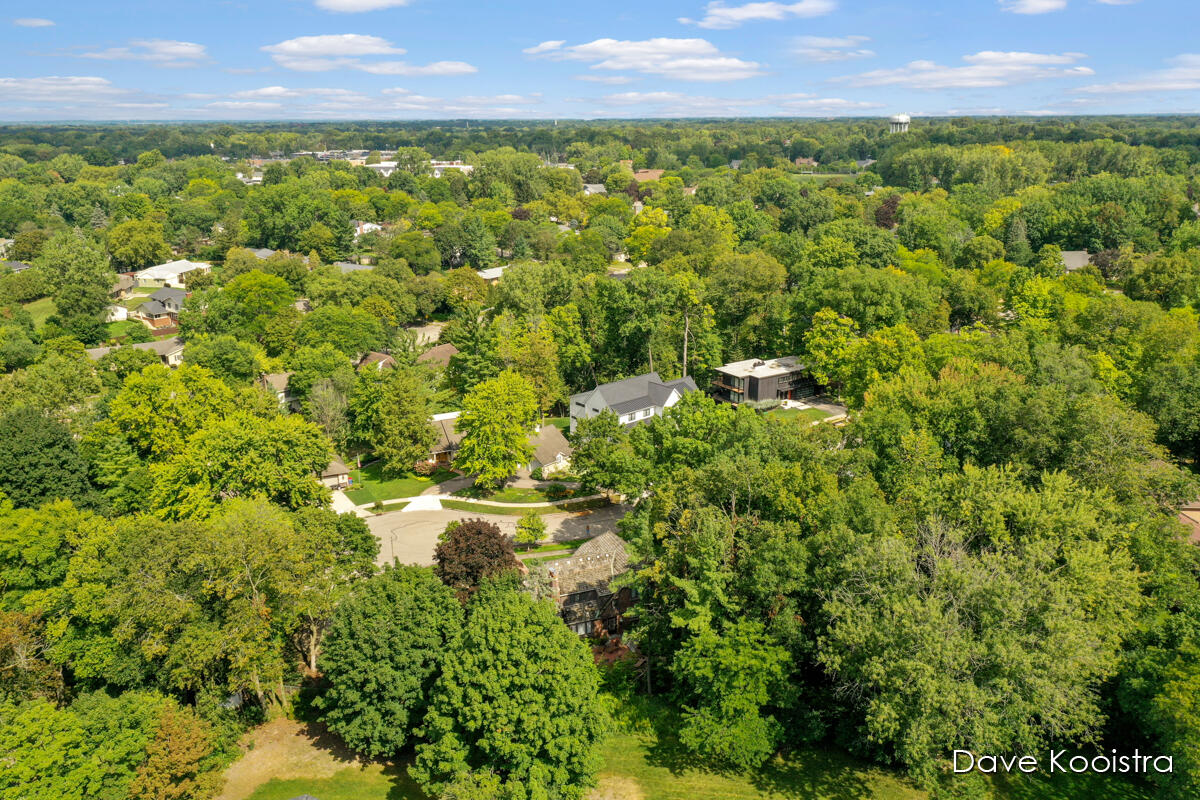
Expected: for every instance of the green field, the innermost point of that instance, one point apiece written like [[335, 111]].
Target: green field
[[646, 766], [40, 310], [808, 414], [511, 494], [370, 782], [370, 486], [485, 508]]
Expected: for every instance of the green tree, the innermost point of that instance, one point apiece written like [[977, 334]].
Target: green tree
[[730, 677], [530, 528], [384, 650], [243, 456], [497, 417], [137, 243], [532, 723], [40, 461], [406, 431]]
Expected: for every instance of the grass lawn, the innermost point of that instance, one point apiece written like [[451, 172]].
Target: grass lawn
[[370, 485], [371, 782], [562, 423], [40, 310], [801, 414], [509, 494], [115, 330], [484, 508]]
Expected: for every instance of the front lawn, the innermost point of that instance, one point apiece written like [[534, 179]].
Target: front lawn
[[516, 511], [370, 486], [513, 494], [40, 310]]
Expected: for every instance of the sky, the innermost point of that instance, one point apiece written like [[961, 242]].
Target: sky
[[456, 59]]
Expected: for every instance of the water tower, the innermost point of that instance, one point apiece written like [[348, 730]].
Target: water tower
[[899, 123]]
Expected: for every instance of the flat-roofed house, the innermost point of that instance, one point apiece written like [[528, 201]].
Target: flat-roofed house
[[755, 380], [1076, 259], [170, 274], [633, 400]]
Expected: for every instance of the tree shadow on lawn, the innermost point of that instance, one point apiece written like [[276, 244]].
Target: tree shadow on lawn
[[804, 775]]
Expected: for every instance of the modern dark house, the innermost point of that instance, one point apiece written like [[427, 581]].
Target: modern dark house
[[633, 400], [755, 380]]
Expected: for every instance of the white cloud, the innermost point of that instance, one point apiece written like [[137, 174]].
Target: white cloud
[[610, 80], [678, 59], [1182, 76], [832, 48], [718, 16], [269, 91], [345, 51], [244, 105], [1033, 6], [825, 105], [164, 52], [55, 89], [33, 22], [356, 6], [544, 47], [986, 69], [503, 99], [679, 104]]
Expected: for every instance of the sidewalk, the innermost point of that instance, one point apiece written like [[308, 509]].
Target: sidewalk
[[433, 502]]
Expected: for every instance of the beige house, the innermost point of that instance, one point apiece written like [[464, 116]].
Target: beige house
[[336, 475], [551, 451]]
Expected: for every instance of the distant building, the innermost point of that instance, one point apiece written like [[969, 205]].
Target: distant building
[[806, 164], [439, 355], [1189, 515], [491, 274], [644, 175], [336, 475], [279, 384], [169, 275], [633, 400], [361, 227], [169, 351], [582, 585], [594, 188], [899, 123], [1075, 259], [379, 361], [755, 380], [14, 266], [121, 289], [347, 267], [438, 168]]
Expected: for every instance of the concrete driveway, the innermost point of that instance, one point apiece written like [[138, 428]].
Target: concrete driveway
[[410, 537]]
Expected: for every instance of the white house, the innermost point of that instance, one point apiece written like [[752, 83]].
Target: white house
[[361, 227], [169, 275], [633, 400], [438, 168], [491, 274], [117, 314]]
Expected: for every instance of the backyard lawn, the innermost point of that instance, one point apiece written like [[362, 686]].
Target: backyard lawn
[[40, 310], [370, 782], [636, 766], [562, 423], [802, 414], [370, 486]]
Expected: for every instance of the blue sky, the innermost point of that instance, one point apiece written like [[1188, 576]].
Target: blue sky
[[437, 59]]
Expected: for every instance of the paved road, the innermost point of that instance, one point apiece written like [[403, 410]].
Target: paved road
[[411, 536]]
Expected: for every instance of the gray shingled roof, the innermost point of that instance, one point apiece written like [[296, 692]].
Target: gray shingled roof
[[169, 294], [151, 308], [548, 443], [640, 391], [592, 567], [161, 347]]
